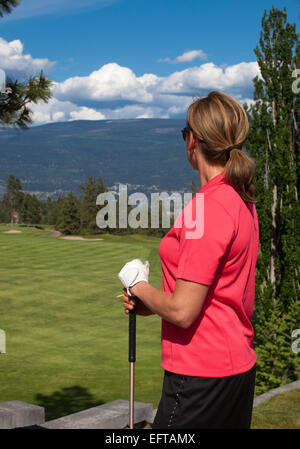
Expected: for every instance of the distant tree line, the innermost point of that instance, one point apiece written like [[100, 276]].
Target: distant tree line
[[70, 214]]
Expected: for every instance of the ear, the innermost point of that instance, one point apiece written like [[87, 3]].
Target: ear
[[192, 142]]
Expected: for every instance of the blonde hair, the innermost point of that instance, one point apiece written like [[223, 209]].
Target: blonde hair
[[219, 122]]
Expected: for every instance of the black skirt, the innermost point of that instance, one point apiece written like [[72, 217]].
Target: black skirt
[[190, 402]]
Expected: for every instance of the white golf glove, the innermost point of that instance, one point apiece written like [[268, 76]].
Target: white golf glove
[[134, 272]]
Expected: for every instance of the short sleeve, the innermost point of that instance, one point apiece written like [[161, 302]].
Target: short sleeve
[[199, 257]]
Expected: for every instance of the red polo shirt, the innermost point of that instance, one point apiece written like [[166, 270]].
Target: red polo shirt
[[222, 254]]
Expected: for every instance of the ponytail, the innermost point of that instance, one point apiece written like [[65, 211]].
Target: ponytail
[[239, 173]]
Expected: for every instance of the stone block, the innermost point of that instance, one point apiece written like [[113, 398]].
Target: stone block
[[20, 414], [6, 419], [113, 415]]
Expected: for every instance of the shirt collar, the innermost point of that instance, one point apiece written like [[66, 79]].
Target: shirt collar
[[218, 179]]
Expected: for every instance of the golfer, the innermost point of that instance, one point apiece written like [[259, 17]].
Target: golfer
[[208, 282]]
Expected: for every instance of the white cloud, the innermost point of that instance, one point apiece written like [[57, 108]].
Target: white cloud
[[136, 111], [17, 64], [61, 111], [188, 56], [110, 82], [116, 92], [210, 76], [115, 83], [84, 113]]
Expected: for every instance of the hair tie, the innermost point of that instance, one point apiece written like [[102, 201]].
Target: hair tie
[[239, 147], [227, 150]]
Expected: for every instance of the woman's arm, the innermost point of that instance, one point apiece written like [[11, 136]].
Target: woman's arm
[[181, 307]]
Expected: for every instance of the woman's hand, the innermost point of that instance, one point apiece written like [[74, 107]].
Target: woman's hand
[[134, 272], [129, 302]]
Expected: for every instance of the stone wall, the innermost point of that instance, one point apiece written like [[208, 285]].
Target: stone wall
[[113, 415]]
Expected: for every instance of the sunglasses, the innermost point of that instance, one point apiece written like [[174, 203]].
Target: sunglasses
[[185, 131]]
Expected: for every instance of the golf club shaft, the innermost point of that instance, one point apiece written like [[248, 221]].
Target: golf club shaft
[[131, 398], [131, 358]]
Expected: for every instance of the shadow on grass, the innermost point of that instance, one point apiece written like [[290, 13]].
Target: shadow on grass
[[66, 401]]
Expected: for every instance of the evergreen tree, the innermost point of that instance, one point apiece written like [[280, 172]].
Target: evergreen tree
[[12, 199], [44, 211], [31, 212], [54, 208], [69, 218], [273, 142], [50, 211], [24, 215], [91, 189], [4, 212]]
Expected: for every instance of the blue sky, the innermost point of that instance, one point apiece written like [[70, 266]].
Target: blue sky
[[134, 58]]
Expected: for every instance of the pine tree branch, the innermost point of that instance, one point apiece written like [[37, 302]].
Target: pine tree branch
[[6, 6], [16, 112]]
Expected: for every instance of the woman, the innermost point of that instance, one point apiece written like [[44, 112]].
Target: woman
[[208, 284]]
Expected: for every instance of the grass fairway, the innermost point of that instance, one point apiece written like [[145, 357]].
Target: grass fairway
[[66, 332]]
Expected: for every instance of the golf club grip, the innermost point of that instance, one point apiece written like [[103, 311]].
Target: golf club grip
[[132, 336]]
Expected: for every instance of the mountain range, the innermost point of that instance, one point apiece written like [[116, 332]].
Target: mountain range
[[148, 155]]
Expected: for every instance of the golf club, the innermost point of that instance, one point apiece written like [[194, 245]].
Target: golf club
[[131, 358], [128, 277]]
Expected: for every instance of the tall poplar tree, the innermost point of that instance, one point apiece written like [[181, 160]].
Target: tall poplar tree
[[273, 142]]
